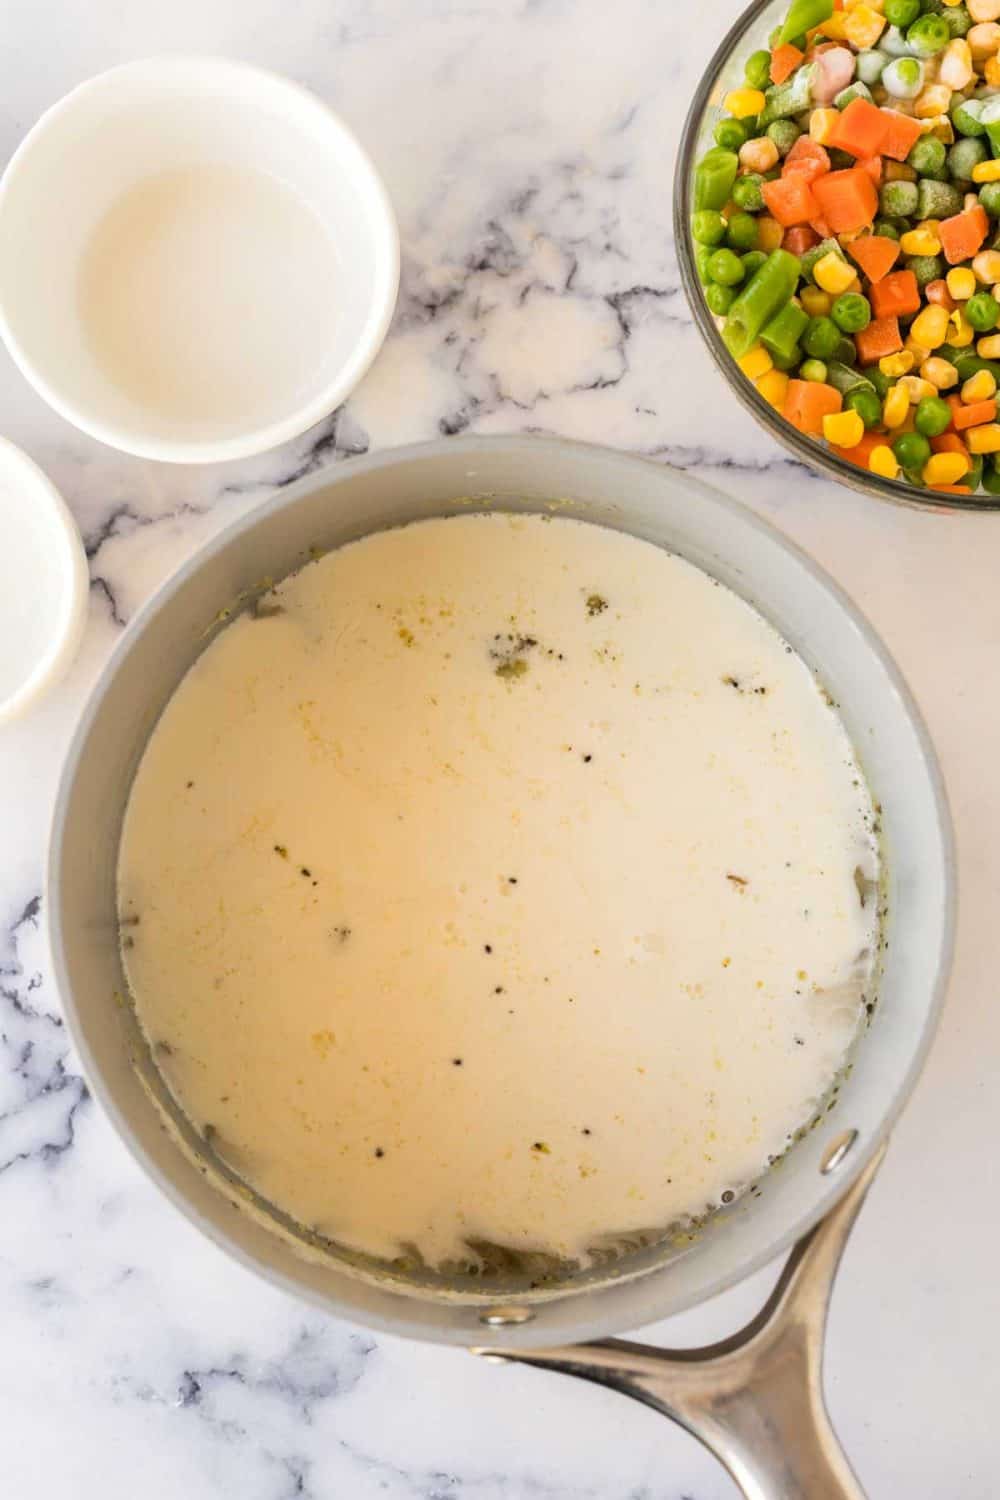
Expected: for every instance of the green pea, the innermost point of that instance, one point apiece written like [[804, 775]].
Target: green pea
[[726, 268], [784, 134], [851, 312], [928, 35], [730, 134], [821, 338], [991, 476], [702, 256], [932, 416], [957, 20], [937, 200], [898, 200], [963, 156], [742, 231], [926, 268], [719, 298], [912, 450], [880, 381], [928, 157], [840, 161], [757, 70], [708, 226], [813, 369], [887, 229], [982, 311], [845, 352], [752, 262], [865, 402], [747, 192], [989, 197], [901, 13]]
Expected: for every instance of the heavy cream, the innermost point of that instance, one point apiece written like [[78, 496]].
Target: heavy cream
[[498, 879]]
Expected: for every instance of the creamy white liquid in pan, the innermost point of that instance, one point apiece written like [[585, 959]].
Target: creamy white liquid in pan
[[501, 887]]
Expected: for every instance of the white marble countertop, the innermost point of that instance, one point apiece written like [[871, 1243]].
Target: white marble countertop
[[529, 149]]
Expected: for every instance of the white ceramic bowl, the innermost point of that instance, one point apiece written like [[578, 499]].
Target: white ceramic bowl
[[172, 114], [43, 583]]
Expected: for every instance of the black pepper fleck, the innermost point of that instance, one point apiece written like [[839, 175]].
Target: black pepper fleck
[[379, 1152]]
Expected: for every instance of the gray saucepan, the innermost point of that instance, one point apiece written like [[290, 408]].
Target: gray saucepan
[[772, 1434]]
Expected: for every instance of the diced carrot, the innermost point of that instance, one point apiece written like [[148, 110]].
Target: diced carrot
[[873, 166], [861, 452], [950, 489], [896, 295], [972, 414], [847, 200], [808, 157], [950, 442], [876, 254], [861, 129], [807, 402], [800, 239], [789, 199], [821, 227], [784, 61], [881, 337], [937, 291], [903, 133], [962, 234]]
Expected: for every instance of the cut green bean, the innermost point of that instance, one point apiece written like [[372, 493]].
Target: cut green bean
[[764, 295]]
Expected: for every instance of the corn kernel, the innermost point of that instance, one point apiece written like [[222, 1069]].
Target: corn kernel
[[984, 439], [769, 233], [815, 301], [960, 331], [970, 200], [883, 461], [983, 40], [940, 372], [822, 123], [979, 387], [940, 127], [956, 64], [744, 102], [930, 327], [916, 388], [756, 362], [945, 468], [929, 226], [833, 274], [991, 72], [987, 266], [864, 26], [919, 351], [986, 171], [845, 428], [898, 171], [895, 406], [961, 282], [835, 26], [989, 347], [932, 101], [759, 155], [919, 242], [774, 387], [984, 10], [897, 364]]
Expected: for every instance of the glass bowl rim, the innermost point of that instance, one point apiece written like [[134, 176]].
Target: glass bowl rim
[[807, 450]]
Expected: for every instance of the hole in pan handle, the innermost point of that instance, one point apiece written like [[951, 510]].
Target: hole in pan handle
[[755, 1399]]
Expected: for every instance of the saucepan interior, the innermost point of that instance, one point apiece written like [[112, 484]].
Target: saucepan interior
[[661, 505]]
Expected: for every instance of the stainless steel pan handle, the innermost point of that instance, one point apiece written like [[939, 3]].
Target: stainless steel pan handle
[[755, 1399]]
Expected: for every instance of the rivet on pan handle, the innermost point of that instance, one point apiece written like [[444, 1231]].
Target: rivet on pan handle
[[755, 1399]]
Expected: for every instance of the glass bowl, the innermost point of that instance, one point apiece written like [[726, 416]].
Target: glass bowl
[[725, 72]]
